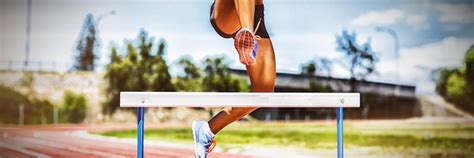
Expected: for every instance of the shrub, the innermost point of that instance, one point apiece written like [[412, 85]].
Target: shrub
[[35, 110], [73, 108], [457, 85]]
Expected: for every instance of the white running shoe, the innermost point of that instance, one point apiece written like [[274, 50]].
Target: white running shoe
[[203, 139]]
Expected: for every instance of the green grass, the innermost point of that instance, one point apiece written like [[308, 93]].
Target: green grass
[[323, 136]]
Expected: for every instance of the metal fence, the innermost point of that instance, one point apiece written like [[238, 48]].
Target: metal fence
[[40, 66]]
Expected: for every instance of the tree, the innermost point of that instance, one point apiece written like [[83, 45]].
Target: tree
[[214, 77], [457, 84], [309, 68], [361, 59], [87, 45], [441, 78], [317, 67], [190, 69], [469, 63], [219, 79], [138, 70], [191, 81]]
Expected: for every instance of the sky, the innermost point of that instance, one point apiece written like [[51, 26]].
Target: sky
[[432, 33]]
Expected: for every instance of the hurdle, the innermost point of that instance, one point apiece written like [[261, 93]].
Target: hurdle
[[142, 100]]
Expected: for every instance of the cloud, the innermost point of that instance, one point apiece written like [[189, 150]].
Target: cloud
[[451, 27], [446, 53], [291, 50], [417, 62], [390, 17], [417, 21], [379, 18], [456, 13]]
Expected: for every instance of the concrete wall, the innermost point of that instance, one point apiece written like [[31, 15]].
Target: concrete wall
[[51, 86]]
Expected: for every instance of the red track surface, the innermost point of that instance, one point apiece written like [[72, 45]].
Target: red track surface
[[61, 141]]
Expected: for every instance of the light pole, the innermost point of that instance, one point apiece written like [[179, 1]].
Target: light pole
[[28, 30], [112, 12], [397, 54], [99, 19]]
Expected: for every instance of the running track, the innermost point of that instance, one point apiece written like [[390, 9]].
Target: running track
[[67, 141]]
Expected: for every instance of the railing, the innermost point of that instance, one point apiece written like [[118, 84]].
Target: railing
[[40, 66], [140, 100]]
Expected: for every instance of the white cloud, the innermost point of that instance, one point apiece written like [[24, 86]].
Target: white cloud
[[447, 52], [456, 13], [417, 21], [451, 27], [390, 17], [416, 62], [379, 18], [293, 49]]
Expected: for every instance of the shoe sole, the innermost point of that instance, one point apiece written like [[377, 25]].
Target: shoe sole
[[244, 43], [194, 137], [195, 140]]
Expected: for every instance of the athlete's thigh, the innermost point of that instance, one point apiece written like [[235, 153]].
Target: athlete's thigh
[[262, 75], [226, 16]]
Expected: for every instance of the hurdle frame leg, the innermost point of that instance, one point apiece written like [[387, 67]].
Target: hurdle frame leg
[[340, 133], [140, 131]]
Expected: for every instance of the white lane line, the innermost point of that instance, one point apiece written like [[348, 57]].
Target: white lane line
[[22, 150], [61, 146], [158, 145], [132, 141]]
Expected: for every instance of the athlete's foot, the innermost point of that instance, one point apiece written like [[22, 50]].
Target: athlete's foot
[[246, 45], [203, 139]]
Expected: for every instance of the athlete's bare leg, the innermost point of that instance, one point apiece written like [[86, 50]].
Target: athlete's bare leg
[[245, 10], [262, 78], [225, 16], [230, 16]]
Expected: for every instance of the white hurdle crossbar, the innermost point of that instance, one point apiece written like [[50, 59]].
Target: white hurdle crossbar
[[140, 100]]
